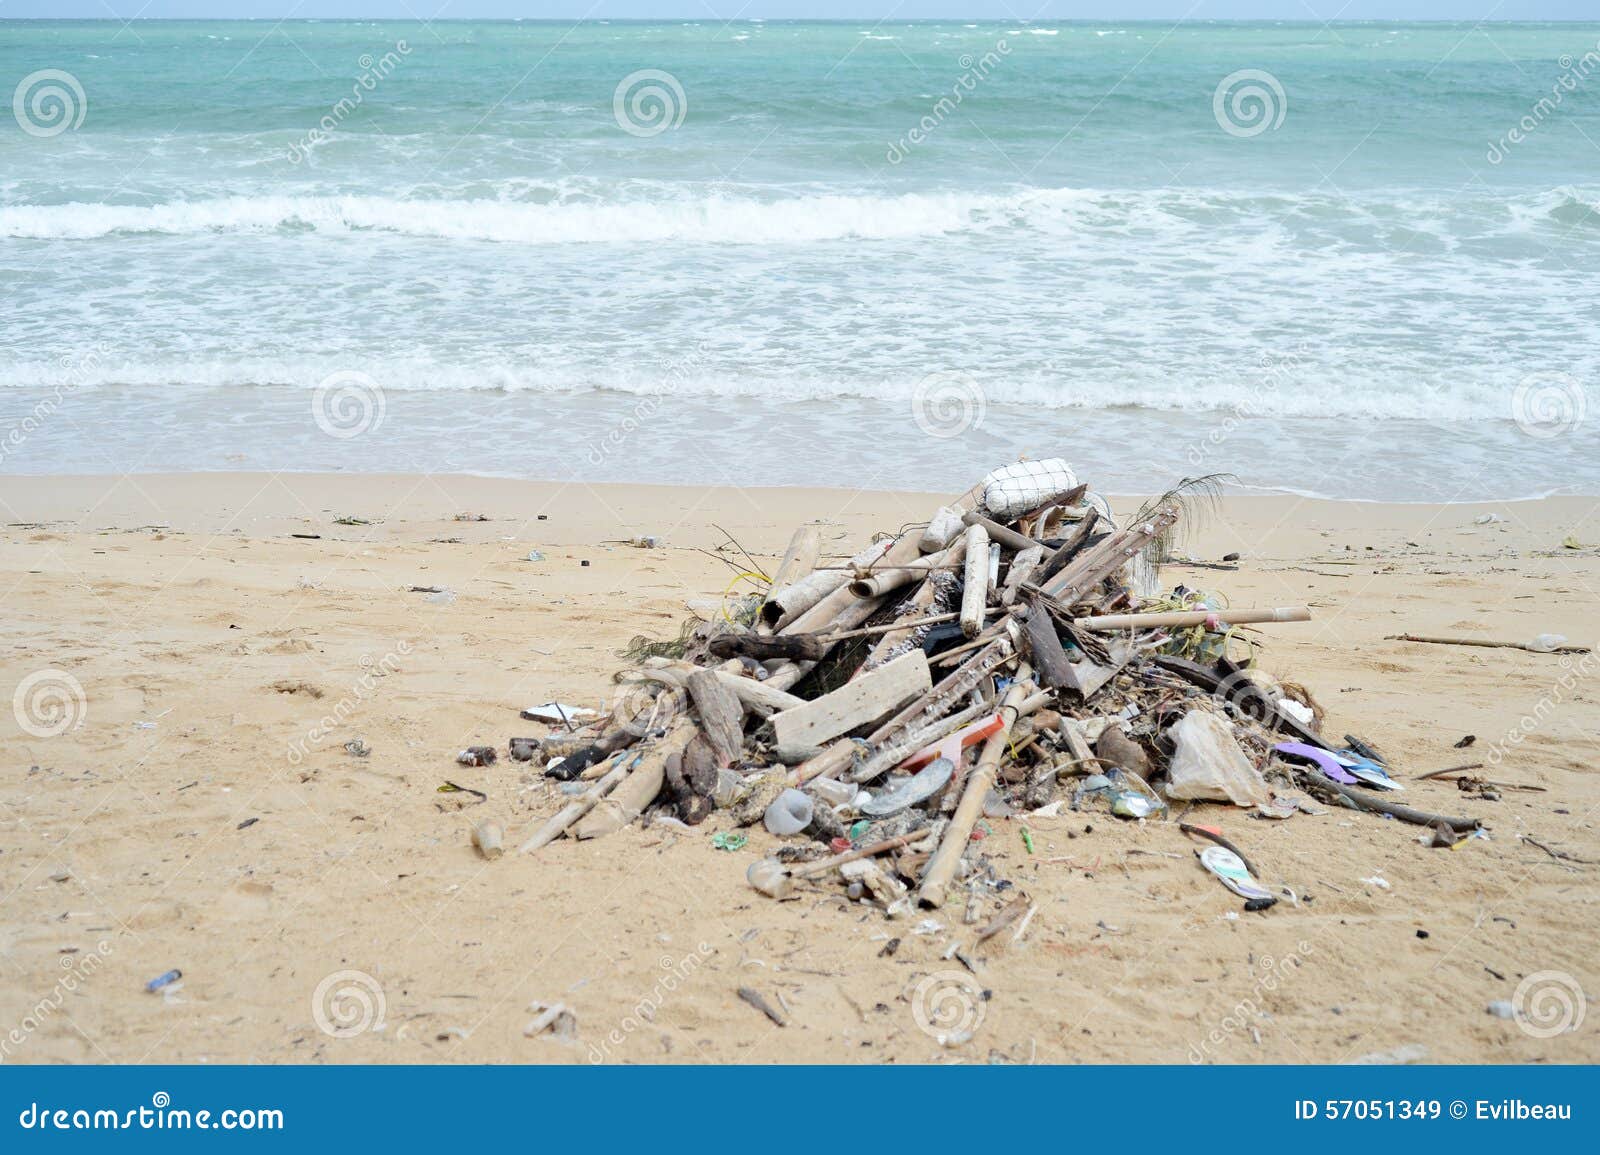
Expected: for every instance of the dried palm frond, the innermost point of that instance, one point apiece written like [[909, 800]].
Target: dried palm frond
[[1192, 495]]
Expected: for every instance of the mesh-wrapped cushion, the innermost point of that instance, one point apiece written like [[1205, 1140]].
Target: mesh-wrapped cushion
[[1015, 489]]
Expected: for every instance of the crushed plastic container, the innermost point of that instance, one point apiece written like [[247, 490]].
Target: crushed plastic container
[[790, 813]]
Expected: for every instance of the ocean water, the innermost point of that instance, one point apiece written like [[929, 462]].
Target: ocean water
[[1357, 260]]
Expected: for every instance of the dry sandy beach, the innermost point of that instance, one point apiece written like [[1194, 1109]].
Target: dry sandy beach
[[199, 814]]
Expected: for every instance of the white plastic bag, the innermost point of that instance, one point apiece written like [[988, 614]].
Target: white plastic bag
[[1209, 764]]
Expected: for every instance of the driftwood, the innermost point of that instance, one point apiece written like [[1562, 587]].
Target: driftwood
[[1023, 566], [866, 698], [721, 715], [785, 606], [761, 697], [799, 647], [1214, 679], [1048, 656], [950, 689], [975, 591], [925, 596], [1070, 547], [805, 547], [1100, 561], [634, 793], [942, 866], [1110, 622], [576, 809], [1363, 800], [882, 580], [1532, 649], [1004, 535]]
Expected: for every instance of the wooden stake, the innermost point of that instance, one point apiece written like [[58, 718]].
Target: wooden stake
[[1004, 534]]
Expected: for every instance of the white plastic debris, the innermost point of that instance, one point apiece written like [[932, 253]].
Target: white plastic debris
[[559, 712], [1015, 489], [790, 813], [1301, 713], [943, 528], [1207, 763]]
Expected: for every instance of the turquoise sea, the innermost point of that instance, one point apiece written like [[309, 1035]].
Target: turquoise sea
[[1353, 259]]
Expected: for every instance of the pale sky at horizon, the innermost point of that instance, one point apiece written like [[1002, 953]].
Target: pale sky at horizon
[[891, 10]]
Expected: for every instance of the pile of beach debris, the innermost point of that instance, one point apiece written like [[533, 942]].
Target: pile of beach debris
[[1015, 655]]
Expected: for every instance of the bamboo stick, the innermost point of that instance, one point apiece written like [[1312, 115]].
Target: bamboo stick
[[803, 611], [926, 593], [942, 866], [576, 809], [805, 547], [881, 581], [762, 697], [1109, 622], [975, 594], [644, 781], [1005, 535], [1092, 566], [805, 550], [1486, 643]]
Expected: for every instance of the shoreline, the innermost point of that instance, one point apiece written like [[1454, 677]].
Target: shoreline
[[66, 493]]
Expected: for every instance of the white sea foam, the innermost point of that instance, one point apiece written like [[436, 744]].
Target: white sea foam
[[739, 218]]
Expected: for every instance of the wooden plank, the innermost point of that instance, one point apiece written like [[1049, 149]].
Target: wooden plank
[[856, 703]]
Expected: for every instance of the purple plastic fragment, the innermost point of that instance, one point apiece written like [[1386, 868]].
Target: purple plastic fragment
[[1323, 760]]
